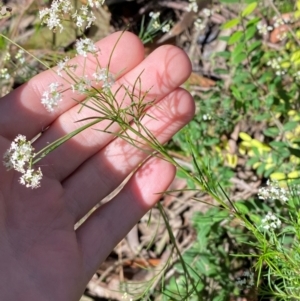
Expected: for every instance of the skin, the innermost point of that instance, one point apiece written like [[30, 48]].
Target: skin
[[42, 256]]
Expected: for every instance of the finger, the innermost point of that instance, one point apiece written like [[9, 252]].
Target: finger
[[23, 105], [106, 170], [164, 70], [111, 222]]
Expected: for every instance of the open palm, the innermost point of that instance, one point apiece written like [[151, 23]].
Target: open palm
[[42, 256]]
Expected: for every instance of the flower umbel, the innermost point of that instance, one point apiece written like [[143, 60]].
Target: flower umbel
[[96, 3], [105, 77], [273, 192], [52, 97], [85, 46], [83, 85], [19, 157], [270, 221], [193, 6], [19, 154], [31, 178], [53, 16]]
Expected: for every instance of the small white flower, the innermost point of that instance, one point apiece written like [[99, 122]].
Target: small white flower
[[270, 221], [85, 46], [199, 24], [154, 15], [278, 21], [206, 117], [79, 21], [85, 9], [82, 86], [20, 56], [90, 20], [85, 16], [105, 77], [4, 73], [31, 178], [51, 97], [19, 154], [96, 3], [61, 65], [166, 28], [66, 6], [155, 25], [273, 192], [19, 157], [193, 6], [54, 15], [263, 29], [7, 56], [207, 12]]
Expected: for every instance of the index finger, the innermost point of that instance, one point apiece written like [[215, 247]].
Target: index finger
[[23, 105]]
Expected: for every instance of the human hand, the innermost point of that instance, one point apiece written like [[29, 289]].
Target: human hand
[[42, 256]]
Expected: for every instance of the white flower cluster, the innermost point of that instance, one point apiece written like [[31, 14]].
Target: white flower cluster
[[85, 46], [64, 66], [206, 117], [263, 29], [4, 73], [82, 86], [52, 97], [273, 192], [154, 15], [166, 27], [96, 3], [199, 24], [276, 64], [84, 15], [20, 56], [193, 6], [60, 9], [207, 12], [53, 16], [270, 221], [19, 157], [278, 21], [247, 280], [104, 76]]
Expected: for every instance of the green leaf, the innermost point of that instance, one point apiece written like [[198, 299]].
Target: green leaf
[[231, 23], [225, 54], [289, 126], [238, 49], [253, 21], [260, 170], [241, 207], [235, 37], [255, 218], [249, 9], [271, 132], [277, 144], [250, 32], [239, 58]]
